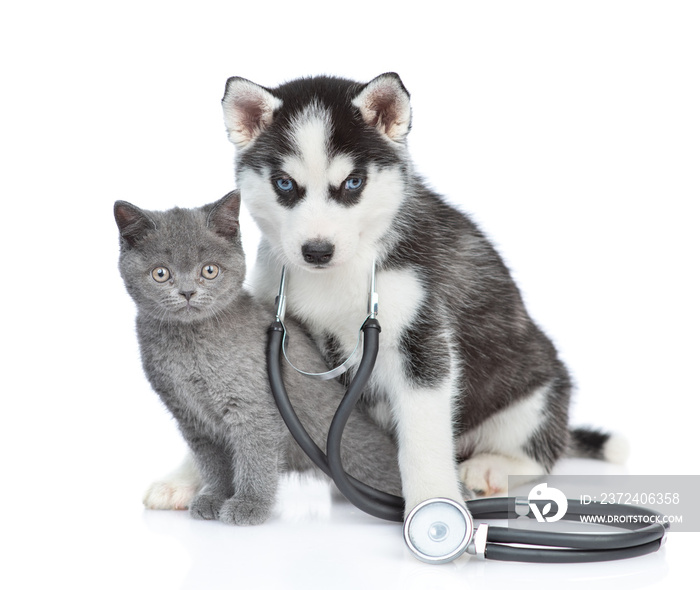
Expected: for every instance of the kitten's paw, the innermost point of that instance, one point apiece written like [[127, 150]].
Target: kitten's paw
[[206, 506], [176, 490], [245, 511], [170, 495]]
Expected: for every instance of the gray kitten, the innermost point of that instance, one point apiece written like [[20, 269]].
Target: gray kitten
[[202, 340]]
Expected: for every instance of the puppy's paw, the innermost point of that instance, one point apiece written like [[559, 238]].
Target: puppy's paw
[[245, 511], [170, 495], [206, 506], [485, 475]]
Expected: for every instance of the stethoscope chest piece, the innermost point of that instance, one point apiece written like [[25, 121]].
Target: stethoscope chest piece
[[438, 530]]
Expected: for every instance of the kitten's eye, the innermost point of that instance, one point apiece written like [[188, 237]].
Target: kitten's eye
[[210, 271], [352, 183], [285, 184], [160, 274]]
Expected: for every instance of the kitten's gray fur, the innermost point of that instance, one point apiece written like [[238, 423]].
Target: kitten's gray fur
[[203, 349]]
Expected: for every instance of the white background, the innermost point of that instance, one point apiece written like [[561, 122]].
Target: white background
[[569, 130]]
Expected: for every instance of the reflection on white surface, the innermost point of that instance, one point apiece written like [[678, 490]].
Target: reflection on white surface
[[313, 540]]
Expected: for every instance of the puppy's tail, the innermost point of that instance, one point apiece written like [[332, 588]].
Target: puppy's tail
[[589, 443]]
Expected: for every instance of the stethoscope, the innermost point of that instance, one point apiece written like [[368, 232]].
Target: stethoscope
[[439, 530]]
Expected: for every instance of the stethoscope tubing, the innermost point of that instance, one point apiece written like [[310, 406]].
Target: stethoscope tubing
[[367, 498], [556, 547], [532, 555], [382, 505]]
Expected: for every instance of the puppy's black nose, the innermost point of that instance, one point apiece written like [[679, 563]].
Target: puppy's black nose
[[317, 252]]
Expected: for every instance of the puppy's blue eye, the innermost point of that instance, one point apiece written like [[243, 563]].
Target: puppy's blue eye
[[353, 183], [285, 184]]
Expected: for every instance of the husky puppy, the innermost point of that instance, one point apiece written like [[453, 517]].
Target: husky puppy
[[471, 387]]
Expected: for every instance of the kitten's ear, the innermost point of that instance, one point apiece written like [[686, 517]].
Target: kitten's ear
[[384, 103], [248, 110], [224, 216], [131, 221]]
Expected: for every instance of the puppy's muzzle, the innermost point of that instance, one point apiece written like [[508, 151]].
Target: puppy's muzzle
[[317, 252]]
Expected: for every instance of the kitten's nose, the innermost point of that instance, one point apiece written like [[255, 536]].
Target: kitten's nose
[[187, 294]]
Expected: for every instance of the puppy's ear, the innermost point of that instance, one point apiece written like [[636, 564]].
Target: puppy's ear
[[132, 222], [248, 110], [224, 216], [385, 104]]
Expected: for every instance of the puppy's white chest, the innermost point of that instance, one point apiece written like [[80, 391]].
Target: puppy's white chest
[[338, 306]]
